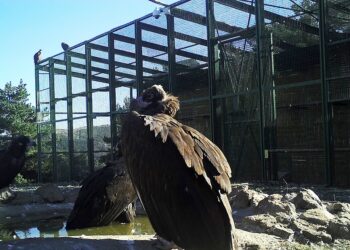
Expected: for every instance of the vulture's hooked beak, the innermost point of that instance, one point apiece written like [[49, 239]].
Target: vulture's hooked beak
[[141, 103]]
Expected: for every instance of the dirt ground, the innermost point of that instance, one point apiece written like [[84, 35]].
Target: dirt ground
[[247, 239], [142, 242]]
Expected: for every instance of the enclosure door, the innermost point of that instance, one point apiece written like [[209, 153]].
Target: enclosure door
[[236, 108]]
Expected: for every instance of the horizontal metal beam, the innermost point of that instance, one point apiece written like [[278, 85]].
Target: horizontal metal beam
[[177, 35], [129, 54], [161, 48], [270, 15], [105, 61], [202, 20], [99, 70], [98, 47], [130, 83], [76, 54], [82, 76], [120, 75], [241, 34], [133, 67]]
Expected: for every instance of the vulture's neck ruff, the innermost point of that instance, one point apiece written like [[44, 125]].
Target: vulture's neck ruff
[[155, 100]]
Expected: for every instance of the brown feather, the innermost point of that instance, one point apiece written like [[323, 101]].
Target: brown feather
[[193, 147]]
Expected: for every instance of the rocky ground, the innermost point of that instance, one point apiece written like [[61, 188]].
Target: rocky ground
[[295, 215], [266, 217]]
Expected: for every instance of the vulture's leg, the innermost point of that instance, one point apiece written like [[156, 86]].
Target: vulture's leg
[[163, 244]]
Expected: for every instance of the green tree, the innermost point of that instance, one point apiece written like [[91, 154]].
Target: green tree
[[17, 117], [307, 12]]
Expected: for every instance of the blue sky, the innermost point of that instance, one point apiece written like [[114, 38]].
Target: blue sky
[[29, 25]]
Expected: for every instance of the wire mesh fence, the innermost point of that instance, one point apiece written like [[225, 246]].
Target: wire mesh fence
[[268, 81]]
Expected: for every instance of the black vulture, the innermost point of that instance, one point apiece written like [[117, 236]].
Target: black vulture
[[12, 159], [37, 57], [104, 195], [181, 177], [64, 46]]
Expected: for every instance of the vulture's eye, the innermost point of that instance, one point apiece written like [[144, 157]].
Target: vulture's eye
[[149, 97]]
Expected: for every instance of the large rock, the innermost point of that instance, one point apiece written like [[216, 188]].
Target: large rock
[[6, 195], [256, 198], [273, 205], [284, 218], [258, 241], [265, 223], [339, 228], [23, 198], [307, 199], [317, 216], [243, 197], [289, 197], [281, 231], [259, 223], [307, 232], [240, 197], [338, 207], [344, 215], [50, 193]]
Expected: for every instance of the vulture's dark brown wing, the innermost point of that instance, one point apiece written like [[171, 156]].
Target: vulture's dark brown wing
[[103, 196], [10, 166], [182, 179], [198, 152]]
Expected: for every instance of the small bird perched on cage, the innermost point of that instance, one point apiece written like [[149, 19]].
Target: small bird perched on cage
[[181, 177], [37, 57], [64, 46], [13, 158]]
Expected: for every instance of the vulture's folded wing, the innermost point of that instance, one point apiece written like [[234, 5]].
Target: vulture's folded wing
[[198, 152], [91, 198]]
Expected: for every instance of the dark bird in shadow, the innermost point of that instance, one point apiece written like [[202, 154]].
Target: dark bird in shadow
[[103, 198], [181, 177], [64, 46], [12, 159], [37, 57]]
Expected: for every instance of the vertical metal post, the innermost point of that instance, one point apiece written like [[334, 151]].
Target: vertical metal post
[[138, 52], [37, 102], [171, 52], [259, 13], [273, 160], [89, 117], [272, 68], [212, 56], [53, 118], [70, 114], [112, 94], [326, 105]]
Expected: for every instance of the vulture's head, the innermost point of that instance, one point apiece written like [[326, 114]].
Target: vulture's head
[[155, 100], [20, 144]]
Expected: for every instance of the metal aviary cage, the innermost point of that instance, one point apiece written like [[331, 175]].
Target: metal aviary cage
[[267, 80]]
